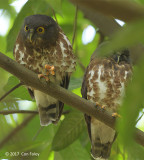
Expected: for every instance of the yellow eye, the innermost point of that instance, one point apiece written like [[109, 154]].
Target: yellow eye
[[26, 28], [40, 29]]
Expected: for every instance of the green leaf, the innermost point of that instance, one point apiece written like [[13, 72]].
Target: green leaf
[[58, 156], [69, 130], [20, 92], [135, 152], [24, 141], [2, 44], [131, 108], [45, 153], [75, 83], [56, 5], [74, 152], [46, 133], [4, 4]]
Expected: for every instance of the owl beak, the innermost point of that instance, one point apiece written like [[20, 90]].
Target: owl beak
[[30, 35]]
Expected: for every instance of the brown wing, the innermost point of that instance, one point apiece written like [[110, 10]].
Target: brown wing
[[84, 95], [64, 84]]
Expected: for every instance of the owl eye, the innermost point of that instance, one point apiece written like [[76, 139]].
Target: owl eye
[[40, 29], [26, 28]]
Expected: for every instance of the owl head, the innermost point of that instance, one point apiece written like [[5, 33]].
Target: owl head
[[39, 31]]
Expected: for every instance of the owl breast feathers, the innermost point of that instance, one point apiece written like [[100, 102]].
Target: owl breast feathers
[[41, 41], [104, 83]]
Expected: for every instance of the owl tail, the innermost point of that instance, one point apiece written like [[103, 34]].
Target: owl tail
[[100, 151], [48, 114]]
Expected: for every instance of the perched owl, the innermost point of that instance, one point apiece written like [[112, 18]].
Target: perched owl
[[42, 47], [104, 83]]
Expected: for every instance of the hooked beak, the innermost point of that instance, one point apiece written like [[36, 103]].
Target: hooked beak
[[30, 35]]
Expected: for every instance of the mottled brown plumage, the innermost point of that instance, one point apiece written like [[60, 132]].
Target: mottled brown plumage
[[41, 41], [104, 83]]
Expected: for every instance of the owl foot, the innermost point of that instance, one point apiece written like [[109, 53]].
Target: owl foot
[[50, 69], [43, 76], [103, 107], [115, 115]]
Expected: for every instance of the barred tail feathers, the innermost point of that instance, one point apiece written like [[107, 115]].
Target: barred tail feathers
[[48, 114], [100, 151], [48, 108], [102, 138]]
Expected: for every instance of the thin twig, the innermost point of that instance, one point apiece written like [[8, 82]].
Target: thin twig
[[16, 130], [25, 112], [54, 15], [18, 111], [75, 25], [73, 39], [11, 90], [81, 65], [37, 133], [66, 112], [140, 117]]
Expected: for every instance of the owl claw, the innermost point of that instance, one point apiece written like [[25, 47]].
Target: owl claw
[[103, 107], [50, 69], [115, 115], [43, 76]]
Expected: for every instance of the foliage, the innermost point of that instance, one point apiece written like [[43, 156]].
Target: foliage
[[68, 139]]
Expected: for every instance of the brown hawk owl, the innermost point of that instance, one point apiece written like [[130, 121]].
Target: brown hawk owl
[[42, 47], [104, 83]]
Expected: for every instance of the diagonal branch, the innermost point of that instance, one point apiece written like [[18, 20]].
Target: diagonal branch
[[29, 78], [14, 131], [11, 90]]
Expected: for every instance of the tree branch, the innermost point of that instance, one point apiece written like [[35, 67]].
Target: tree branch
[[107, 25], [75, 26], [29, 78], [4, 112], [18, 111], [16, 130], [11, 90], [124, 10]]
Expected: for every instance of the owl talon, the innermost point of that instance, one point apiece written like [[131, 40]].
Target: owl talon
[[43, 76], [103, 107], [50, 69], [115, 115]]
